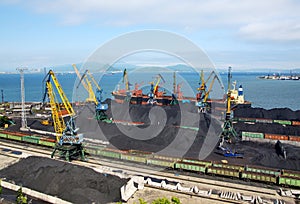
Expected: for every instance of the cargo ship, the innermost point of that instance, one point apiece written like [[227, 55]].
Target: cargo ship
[[157, 97]]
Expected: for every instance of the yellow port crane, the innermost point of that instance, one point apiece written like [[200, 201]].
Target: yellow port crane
[[87, 85], [86, 80], [228, 132], [202, 95], [154, 90], [68, 141]]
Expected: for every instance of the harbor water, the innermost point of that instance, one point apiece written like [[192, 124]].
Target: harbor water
[[262, 93]]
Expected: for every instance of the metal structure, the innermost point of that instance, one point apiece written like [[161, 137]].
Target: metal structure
[[127, 86], [203, 93], [24, 121], [154, 90], [86, 80], [86, 84], [68, 141], [228, 131], [176, 88]]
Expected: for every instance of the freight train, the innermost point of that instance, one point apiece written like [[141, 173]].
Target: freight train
[[280, 177], [268, 121]]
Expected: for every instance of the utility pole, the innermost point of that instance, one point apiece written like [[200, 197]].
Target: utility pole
[[24, 121]]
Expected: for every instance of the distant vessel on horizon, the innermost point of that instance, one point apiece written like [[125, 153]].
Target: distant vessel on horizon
[[280, 77]]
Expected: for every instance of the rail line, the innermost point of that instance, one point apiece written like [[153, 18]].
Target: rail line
[[131, 168]]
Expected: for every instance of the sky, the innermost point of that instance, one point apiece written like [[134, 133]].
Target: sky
[[245, 34]]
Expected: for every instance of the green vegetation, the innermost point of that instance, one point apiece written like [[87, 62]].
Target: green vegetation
[[21, 199], [174, 200]]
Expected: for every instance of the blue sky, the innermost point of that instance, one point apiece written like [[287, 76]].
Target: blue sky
[[245, 34]]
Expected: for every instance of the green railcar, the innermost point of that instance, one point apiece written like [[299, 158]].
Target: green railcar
[[283, 122], [160, 162], [133, 158], [263, 120], [109, 153], [253, 134], [91, 150], [191, 167], [193, 161], [290, 173], [267, 178], [31, 139], [246, 119], [190, 128], [3, 135], [223, 172], [228, 166], [46, 143], [161, 157], [263, 170], [289, 181], [14, 137]]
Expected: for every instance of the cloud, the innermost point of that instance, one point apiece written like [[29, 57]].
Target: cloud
[[251, 19], [275, 31]]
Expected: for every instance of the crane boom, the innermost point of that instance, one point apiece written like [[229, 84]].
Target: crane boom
[[68, 142], [203, 94], [86, 84], [61, 93], [59, 123], [93, 80]]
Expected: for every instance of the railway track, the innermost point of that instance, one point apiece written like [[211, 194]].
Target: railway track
[[128, 169]]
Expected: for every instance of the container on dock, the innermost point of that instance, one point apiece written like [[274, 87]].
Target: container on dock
[[276, 137], [253, 134]]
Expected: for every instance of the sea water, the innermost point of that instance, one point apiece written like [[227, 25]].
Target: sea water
[[262, 93]]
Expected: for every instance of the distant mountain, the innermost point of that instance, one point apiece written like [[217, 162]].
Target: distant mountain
[[121, 65]]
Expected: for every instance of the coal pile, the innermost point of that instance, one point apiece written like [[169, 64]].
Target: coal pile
[[162, 127], [272, 128], [275, 113], [73, 183], [262, 154]]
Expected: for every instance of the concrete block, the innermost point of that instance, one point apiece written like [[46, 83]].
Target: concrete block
[[128, 190]]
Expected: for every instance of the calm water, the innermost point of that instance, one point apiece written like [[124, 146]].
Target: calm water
[[262, 93]]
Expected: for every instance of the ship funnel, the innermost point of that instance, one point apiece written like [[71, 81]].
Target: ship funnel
[[240, 91]]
